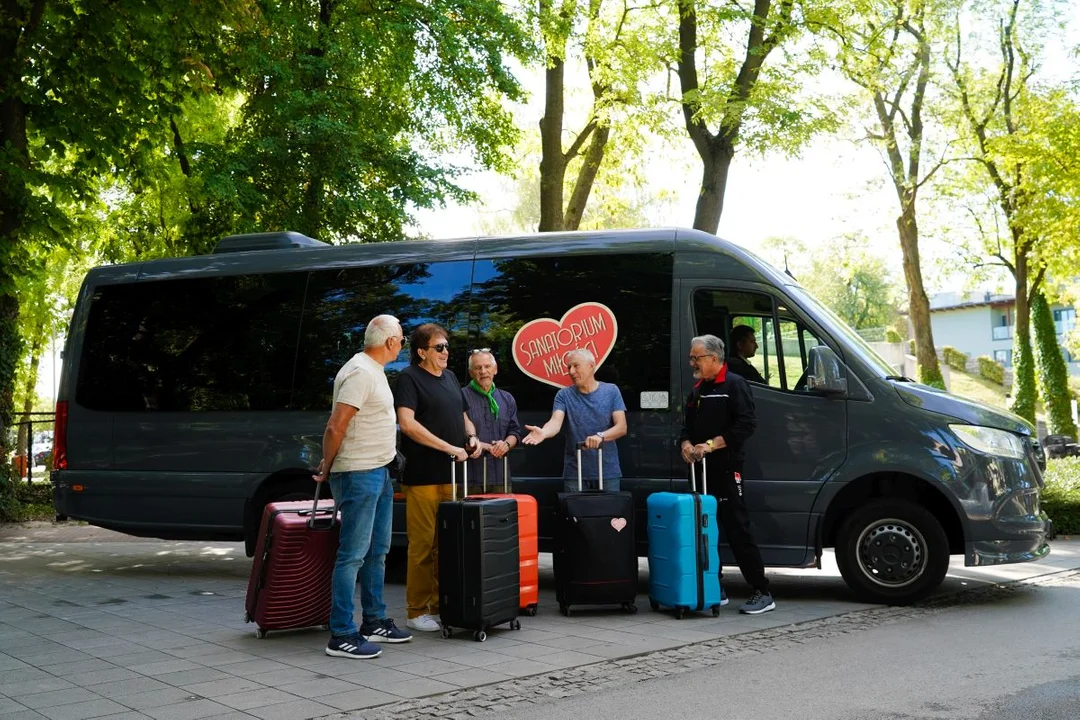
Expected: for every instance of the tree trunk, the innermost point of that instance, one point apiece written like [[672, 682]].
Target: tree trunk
[[918, 302], [714, 176], [552, 160], [29, 395], [594, 156]]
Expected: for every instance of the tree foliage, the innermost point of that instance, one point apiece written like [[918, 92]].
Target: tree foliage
[[1000, 110], [617, 45], [1053, 375], [850, 280], [168, 124], [741, 69]]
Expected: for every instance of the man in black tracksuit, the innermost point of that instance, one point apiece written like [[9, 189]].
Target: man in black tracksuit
[[719, 418]]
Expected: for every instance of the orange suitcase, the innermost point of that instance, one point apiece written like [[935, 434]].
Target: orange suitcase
[[528, 543]]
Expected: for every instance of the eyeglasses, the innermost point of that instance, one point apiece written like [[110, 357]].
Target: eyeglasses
[[441, 347], [402, 341], [696, 358]]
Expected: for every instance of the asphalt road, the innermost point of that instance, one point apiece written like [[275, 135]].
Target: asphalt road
[[994, 656]]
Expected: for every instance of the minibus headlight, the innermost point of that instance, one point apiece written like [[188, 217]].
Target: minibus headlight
[[990, 441]]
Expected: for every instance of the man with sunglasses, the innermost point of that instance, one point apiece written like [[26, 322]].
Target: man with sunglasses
[[719, 418], [493, 411], [359, 443], [434, 425]]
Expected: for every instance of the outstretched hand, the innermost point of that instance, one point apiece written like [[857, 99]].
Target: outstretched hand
[[535, 436]]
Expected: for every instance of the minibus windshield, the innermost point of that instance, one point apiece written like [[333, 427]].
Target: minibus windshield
[[839, 328]]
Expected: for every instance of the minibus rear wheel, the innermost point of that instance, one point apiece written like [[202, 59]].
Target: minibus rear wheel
[[892, 551]]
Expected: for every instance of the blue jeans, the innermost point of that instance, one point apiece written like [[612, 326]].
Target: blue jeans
[[610, 484], [366, 501]]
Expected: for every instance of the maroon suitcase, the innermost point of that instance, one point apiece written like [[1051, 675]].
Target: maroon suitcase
[[293, 566]]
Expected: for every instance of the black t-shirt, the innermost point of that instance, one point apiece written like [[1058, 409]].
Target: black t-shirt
[[439, 408]]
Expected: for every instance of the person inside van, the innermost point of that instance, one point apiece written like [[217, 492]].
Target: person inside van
[[358, 445], [744, 342], [719, 418], [595, 414], [434, 425], [493, 412]]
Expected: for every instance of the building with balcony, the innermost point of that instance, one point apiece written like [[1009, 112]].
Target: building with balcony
[[981, 323]]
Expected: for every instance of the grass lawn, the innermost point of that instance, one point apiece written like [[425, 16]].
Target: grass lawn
[[974, 387]]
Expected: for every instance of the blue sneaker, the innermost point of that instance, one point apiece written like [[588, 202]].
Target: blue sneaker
[[352, 646], [385, 631]]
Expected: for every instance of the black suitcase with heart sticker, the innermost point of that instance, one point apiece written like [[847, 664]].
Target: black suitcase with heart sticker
[[595, 557]]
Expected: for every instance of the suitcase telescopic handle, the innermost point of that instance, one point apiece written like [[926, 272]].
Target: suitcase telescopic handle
[[464, 477], [315, 512], [506, 471], [704, 479], [599, 466]]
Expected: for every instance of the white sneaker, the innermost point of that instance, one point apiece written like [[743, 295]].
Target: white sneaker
[[424, 623]]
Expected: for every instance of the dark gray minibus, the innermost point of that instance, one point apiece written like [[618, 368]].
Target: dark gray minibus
[[195, 390]]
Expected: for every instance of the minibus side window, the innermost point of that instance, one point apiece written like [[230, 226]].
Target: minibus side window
[[192, 345], [717, 312], [340, 302]]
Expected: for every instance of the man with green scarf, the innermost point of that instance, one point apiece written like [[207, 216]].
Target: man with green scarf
[[494, 413]]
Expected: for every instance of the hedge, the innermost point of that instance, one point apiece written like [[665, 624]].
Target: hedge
[[1053, 380], [991, 370], [892, 335], [27, 501], [1061, 494], [955, 359]]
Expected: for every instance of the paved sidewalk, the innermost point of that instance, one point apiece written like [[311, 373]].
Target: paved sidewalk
[[94, 624]]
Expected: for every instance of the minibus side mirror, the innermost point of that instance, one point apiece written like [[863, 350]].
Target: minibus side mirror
[[825, 374]]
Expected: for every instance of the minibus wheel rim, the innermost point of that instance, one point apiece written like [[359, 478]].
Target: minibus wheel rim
[[892, 553]]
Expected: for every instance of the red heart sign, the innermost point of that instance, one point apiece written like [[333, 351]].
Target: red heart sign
[[541, 345]]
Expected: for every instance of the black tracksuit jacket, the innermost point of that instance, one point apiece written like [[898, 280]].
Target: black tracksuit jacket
[[721, 406]]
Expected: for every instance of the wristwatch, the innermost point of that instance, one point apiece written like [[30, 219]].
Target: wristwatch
[[709, 442], [600, 435]]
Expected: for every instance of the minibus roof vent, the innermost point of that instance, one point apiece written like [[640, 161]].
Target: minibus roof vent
[[266, 241]]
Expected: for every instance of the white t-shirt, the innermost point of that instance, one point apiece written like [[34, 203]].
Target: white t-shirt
[[371, 437]]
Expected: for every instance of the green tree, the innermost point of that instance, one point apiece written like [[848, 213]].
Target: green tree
[[621, 52], [1000, 107], [888, 51], [1053, 375], [741, 67]]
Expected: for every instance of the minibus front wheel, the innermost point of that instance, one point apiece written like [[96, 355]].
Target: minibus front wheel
[[892, 551]]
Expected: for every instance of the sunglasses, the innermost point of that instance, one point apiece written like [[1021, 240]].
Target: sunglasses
[[441, 347], [474, 351]]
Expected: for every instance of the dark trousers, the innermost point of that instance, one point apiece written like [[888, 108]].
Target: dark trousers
[[731, 507]]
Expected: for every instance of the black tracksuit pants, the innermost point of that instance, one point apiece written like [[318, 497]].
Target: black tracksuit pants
[[733, 515]]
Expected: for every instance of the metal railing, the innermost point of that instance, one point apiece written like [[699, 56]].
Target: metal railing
[[1003, 332], [25, 459]]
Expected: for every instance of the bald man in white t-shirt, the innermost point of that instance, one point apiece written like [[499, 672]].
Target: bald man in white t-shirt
[[359, 443]]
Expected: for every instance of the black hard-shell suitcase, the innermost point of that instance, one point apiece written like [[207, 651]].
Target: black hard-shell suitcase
[[595, 557], [479, 581]]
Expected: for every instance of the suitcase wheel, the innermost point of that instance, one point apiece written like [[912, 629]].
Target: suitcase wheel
[[260, 633], [479, 636], [565, 610], [515, 624], [630, 608], [530, 611], [653, 604], [680, 613], [716, 611], [447, 632]]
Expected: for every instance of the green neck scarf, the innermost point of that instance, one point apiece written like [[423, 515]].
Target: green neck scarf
[[490, 396]]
